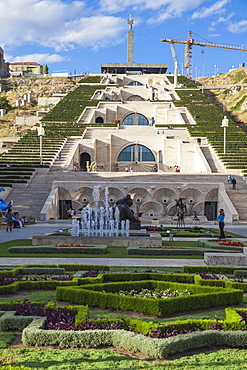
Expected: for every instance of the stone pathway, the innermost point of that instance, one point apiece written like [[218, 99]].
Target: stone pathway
[[42, 228]]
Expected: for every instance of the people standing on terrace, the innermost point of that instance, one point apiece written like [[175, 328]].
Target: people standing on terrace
[[9, 216], [221, 220]]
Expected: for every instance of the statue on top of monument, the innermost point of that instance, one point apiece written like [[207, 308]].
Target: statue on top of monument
[[130, 21]]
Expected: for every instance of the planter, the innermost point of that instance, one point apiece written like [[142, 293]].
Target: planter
[[51, 221]]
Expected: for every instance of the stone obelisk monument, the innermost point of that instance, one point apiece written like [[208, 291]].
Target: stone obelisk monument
[[130, 41]]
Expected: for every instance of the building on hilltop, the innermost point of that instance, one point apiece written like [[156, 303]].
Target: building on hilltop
[[24, 68], [4, 67], [131, 66]]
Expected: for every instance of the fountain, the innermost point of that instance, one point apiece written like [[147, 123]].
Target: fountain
[[104, 225], [100, 221]]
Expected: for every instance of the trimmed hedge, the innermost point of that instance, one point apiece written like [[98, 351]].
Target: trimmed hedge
[[186, 251], [34, 285], [67, 267], [98, 249], [41, 270], [105, 296], [33, 335], [211, 269]]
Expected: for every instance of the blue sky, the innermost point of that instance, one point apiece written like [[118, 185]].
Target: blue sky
[[77, 36]]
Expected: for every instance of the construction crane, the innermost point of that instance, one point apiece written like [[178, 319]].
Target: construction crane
[[188, 49]]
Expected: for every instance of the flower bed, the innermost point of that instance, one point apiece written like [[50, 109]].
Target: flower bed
[[158, 341], [229, 242], [227, 245]]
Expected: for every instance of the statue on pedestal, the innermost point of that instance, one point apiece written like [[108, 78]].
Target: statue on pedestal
[[126, 213]]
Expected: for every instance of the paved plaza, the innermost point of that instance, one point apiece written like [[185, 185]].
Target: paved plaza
[[42, 228]]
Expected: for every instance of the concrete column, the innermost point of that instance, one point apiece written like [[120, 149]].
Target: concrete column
[[2, 112], [130, 41]]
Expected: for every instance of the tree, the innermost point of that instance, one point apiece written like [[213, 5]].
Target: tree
[[45, 69], [4, 103]]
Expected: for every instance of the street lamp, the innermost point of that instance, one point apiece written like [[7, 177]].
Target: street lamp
[[41, 133], [224, 124]]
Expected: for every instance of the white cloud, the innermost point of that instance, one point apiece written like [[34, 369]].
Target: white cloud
[[170, 6], [222, 19], [216, 8], [174, 9], [39, 58], [238, 27], [57, 24], [94, 32]]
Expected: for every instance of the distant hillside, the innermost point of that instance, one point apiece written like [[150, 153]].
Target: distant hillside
[[232, 92], [16, 88]]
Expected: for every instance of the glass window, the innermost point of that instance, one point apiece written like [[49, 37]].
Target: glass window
[[138, 151], [129, 120], [135, 83], [142, 121], [147, 155], [135, 119]]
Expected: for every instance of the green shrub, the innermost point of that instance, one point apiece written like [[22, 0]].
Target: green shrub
[[59, 250], [41, 270], [104, 296], [211, 269], [242, 273], [70, 267]]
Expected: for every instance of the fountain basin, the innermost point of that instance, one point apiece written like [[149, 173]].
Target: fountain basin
[[136, 238]]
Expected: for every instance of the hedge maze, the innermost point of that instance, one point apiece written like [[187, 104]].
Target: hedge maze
[[153, 338]]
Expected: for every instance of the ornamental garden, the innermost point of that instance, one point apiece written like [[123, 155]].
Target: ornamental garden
[[150, 313]]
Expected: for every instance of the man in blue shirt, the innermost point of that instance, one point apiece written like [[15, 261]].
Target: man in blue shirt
[[221, 219]]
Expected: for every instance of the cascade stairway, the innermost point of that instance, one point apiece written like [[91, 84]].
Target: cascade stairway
[[29, 200], [65, 152]]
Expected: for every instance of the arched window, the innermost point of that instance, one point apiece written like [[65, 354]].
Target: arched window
[[136, 153], [142, 121], [135, 119], [135, 83]]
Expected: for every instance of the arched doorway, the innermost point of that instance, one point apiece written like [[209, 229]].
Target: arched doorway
[[84, 158], [99, 120]]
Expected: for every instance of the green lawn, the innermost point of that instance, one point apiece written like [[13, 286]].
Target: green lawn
[[113, 252], [55, 359]]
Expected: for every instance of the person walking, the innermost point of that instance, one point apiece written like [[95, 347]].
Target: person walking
[[9, 216], [221, 220], [234, 182]]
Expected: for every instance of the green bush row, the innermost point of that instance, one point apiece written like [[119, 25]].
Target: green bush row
[[41, 270], [186, 251], [66, 267], [10, 367], [59, 250], [34, 335], [212, 269], [241, 273], [103, 295], [34, 285], [137, 276]]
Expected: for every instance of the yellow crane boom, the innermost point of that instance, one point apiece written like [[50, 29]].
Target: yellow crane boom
[[188, 48]]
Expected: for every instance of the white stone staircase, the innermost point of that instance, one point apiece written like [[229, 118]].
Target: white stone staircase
[[65, 154]]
